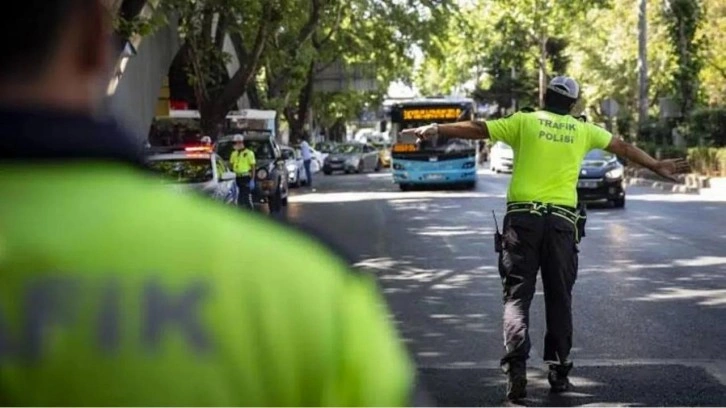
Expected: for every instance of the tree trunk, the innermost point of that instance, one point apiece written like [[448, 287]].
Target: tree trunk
[[643, 102], [542, 69], [210, 117]]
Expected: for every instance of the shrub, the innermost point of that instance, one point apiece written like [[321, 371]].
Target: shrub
[[708, 124], [666, 152], [709, 161]]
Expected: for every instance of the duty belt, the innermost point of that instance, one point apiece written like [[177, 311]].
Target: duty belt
[[569, 213]]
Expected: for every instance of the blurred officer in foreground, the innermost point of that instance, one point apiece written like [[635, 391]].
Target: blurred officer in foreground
[[543, 226], [117, 291]]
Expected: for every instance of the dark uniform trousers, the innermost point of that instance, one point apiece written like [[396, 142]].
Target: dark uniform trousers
[[530, 242], [244, 199]]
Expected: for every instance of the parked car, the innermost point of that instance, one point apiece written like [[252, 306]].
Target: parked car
[[501, 158], [384, 153], [317, 159], [271, 178], [324, 148], [294, 164], [352, 157], [601, 179], [191, 169]]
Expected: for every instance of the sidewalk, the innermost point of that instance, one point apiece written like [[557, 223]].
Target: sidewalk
[[716, 189]]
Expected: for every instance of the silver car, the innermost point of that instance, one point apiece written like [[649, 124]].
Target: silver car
[[352, 157], [204, 172]]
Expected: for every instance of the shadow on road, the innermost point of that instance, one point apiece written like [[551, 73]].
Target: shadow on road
[[630, 385]]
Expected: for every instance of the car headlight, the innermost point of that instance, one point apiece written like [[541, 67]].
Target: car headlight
[[291, 167], [261, 174], [615, 173]]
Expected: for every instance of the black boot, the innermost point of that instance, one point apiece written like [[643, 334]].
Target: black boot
[[557, 377], [516, 380]]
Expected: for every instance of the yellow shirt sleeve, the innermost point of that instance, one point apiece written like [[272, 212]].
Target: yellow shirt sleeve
[[505, 129], [599, 137]]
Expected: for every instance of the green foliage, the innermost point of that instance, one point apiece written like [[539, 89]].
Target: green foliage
[[501, 48], [708, 125], [683, 19], [657, 133], [377, 34], [713, 33]]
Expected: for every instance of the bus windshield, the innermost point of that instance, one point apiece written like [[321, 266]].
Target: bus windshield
[[412, 116]]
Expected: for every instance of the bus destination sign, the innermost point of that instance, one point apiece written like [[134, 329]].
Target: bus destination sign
[[431, 113]]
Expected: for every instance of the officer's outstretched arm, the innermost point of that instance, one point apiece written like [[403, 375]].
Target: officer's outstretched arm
[[472, 130], [665, 168]]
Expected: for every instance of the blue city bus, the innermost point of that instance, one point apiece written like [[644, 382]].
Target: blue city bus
[[437, 161]]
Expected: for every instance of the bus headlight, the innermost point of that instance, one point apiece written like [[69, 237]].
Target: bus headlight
[[614, 174]]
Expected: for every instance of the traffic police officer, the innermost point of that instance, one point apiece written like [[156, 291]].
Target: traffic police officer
[[243, 163], [541, 225], [117, 291]]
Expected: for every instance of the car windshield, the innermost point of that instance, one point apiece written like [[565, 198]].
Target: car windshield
[[183, 170], [288, 154], [262, 148], [324, 147], [348, 148], [599, 155]]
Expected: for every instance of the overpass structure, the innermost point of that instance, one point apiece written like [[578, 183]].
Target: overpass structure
[[141, 69]]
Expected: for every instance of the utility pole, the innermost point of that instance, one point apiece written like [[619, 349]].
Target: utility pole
[[512, 87], [643, 63]]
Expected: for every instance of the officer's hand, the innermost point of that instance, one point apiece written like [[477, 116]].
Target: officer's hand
[[423, 132], [670, 168]]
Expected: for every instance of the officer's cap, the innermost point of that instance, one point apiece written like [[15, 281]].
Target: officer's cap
[[566, 86], [238, 138]]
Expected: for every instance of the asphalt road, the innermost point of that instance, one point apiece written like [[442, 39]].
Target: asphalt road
[[650, 298]]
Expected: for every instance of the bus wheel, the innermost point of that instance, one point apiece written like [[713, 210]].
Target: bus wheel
[[404, 187], [470, 185]]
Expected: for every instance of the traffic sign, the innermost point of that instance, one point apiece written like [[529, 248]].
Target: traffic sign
[[609, 107]]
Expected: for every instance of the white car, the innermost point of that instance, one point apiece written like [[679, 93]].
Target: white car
[[317, 159], [501, 158], [295, 168]]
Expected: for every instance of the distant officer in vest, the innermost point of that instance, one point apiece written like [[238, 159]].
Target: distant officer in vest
[[118, 291], [541, 226], [243, 163]]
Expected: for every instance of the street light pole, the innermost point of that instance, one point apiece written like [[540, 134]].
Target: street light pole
[[643, 63]]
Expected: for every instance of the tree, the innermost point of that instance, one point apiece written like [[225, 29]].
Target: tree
[[713, 33], [683, 19], [605, 59], [499, 47], [374, 34], [203, 26]]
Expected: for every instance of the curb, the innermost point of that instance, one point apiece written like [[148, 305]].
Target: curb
[[663, 185]]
